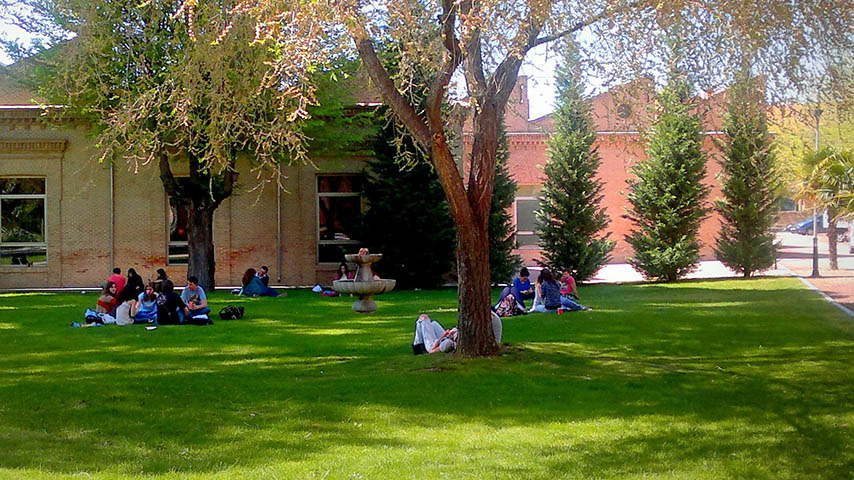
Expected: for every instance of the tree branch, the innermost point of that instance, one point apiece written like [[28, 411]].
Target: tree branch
[[401, 107], [578, 26], [167, 178], [227, 183], [436, 94]]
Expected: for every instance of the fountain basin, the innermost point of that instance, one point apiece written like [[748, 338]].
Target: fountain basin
[[364, 285], [370, 287]]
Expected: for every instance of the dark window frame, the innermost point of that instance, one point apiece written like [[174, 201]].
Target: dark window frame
[[25, 248]]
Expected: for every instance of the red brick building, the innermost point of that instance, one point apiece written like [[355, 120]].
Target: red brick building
[[621, 115]]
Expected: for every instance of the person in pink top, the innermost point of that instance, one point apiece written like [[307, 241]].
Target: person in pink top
[[118, 279], [568, 286]]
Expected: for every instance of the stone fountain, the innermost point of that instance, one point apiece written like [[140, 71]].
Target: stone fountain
[[364, 285]]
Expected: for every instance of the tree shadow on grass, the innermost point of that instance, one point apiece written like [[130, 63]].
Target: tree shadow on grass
[[658, 393]]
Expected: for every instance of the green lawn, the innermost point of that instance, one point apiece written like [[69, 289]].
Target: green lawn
[[698, 380]]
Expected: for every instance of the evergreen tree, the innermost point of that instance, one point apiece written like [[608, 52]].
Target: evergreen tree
[[667, 197], [570, 217], [503, 264], [749, 208], [407, 218]]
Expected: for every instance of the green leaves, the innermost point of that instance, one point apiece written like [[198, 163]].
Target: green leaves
[[749, 183], [570, 216], [667, 196]]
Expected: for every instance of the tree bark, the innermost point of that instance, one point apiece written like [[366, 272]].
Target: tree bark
[[201, 204], [474, 295], [200, 245], [831, 240]]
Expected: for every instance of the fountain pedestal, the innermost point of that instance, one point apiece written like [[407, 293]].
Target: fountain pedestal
[[364, 284]]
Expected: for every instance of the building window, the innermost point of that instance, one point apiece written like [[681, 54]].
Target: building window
[[22, 222], [178, 252], [526, 221], [339, 213]]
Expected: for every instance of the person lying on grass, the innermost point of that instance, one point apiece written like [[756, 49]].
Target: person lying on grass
[[430, 333]]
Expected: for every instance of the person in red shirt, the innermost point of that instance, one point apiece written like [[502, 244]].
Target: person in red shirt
[[118, 279]]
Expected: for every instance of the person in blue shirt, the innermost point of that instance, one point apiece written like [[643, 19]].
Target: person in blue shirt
[[521, 290], [194, 297], [146, 306]]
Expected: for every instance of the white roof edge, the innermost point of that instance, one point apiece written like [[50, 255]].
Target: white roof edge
[[28, 107]]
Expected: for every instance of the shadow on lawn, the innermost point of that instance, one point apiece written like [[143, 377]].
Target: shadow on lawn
[[673, 384]]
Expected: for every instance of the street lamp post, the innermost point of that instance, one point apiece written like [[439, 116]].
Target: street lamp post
[[817, 113]]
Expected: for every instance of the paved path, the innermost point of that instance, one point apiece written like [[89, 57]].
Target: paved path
[[796, 255], [795, 260]]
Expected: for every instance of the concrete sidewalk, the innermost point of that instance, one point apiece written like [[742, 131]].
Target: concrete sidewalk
[[795, 259], [625, 273], [796, 256]]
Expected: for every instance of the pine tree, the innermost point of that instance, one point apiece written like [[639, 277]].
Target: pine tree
[[570, 217], [667, 197], [503, 264], [407, 218], [749, 208]]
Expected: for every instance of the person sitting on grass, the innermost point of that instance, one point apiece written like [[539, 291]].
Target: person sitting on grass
[[344, 272], [170, 308], [568, 287], [124, 312], [522, 288], [133, 288], [108, 300], [158, 282], [146, 306], [118, 279], [549, 291], [105, 309], [264, 275], [252, 286], [194, 297]]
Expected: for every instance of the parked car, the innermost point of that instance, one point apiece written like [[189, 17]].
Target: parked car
[[804, 227]]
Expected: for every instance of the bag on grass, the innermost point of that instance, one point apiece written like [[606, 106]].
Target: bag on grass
[[202, 319], [507, 306], [92, 316], [231, 313]]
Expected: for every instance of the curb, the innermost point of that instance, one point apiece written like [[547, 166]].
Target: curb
[[824, 295]]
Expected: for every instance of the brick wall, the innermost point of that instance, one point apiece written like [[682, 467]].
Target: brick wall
[[78, 214]]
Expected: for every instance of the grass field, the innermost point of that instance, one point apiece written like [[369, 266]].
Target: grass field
[[697, 380]]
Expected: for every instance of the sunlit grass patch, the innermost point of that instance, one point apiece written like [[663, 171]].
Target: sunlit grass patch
[[696, 380]]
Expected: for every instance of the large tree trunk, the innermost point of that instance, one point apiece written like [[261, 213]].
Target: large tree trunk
[[201, 204], [831, 239], [200, 245], [469, 202], [474, 294]]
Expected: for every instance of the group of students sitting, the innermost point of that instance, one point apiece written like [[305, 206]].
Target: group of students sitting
[[128, 302], [548, 295]]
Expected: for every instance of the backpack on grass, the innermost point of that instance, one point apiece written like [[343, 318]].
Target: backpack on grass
[[231, 313]]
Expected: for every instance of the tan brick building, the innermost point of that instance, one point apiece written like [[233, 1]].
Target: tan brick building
[[67, 220]]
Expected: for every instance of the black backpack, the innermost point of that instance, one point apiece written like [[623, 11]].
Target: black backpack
[[231, 313]]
